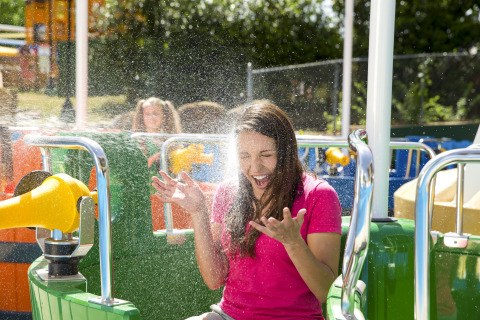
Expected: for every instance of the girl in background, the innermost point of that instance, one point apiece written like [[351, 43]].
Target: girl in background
[[154, 115]]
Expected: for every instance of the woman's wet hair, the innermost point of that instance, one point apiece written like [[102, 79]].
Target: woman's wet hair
[[269, 120]]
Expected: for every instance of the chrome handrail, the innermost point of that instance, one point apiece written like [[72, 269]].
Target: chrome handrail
[[358, 235], [302, 141], [164, 161], [423, 212], [103, 187]]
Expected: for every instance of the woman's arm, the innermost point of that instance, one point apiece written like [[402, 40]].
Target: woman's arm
[[211, 259], [316, 262]]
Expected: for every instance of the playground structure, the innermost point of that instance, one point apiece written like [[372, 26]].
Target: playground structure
[[392, 268], [140, 252]]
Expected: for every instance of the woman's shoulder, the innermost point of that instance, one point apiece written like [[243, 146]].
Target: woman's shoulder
[[223, 199], [227, 189], [228, 185], [313, 185]]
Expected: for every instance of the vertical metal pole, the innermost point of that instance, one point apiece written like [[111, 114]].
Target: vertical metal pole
[[347, 68], [50, 84], [459, 200], [249, 82], [68, 113], [379, 97], [335, 97], [81, 23], [105, 230], [422, 89]]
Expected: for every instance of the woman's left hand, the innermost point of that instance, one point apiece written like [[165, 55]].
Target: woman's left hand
[[286, 231]]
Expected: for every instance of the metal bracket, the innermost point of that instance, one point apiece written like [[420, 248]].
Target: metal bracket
[[43, 274], [455, 240], [360, 290], [86, 227], [176, 236], [108, 303]]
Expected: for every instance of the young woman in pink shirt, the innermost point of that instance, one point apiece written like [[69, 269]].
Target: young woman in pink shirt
[[273, 239]]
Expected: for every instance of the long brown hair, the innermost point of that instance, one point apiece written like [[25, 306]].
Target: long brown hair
[[170, 123], [269, 120]]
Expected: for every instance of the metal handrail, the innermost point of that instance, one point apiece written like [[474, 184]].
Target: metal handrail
[[423, 213], [192, 138], [302, 141], [358, 235], [103, 187]]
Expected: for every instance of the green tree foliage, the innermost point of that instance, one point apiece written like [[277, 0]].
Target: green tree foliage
[[428, 89], [196, 50], [271, 32], [12, 12], [421, 26]]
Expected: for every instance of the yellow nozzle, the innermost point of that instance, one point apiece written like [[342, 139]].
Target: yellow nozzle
[[336, 156], [52, 205], [183, 159]]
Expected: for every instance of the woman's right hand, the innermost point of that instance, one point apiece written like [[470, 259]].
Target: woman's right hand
[[188, 195]]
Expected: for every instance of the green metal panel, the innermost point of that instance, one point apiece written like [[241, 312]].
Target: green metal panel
[[457, 280], [163, 284], [67, 300], [387, 271]]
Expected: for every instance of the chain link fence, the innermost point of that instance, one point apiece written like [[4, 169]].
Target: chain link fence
[[426, 88]]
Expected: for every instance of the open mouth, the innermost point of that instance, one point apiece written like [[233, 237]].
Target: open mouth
[[261, 181]]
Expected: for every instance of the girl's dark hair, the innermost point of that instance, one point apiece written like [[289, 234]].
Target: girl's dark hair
[[282, 190]]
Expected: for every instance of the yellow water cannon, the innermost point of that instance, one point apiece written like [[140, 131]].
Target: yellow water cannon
[[52, 205], [335, 156], [61, 204], [183, 159]]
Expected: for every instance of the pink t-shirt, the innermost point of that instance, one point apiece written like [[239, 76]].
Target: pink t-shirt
[[269, 286]]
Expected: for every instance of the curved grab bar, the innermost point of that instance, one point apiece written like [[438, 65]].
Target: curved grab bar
[[103, 186], [192, 138], [302, 141], [359, 231], [423, 207]]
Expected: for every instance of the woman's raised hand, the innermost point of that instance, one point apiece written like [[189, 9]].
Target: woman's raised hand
[[286, 231], [188, 195]]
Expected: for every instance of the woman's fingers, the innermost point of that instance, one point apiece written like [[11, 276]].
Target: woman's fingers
[[284, 231], [167, 188], [166, 177], [156, 180], [271, 222], [300, 216], [259, 227], [188, 180], [163, 197]]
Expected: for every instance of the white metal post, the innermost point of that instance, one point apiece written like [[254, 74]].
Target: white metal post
[[347, 68], [81, 75], [379, 97]]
